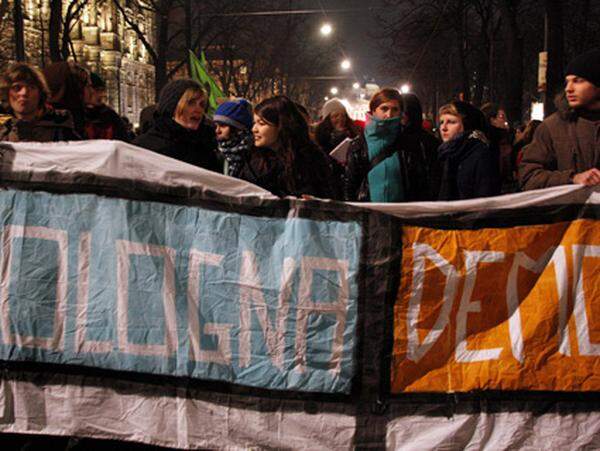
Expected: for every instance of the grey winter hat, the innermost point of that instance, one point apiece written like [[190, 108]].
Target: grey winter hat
[[586, 65], [171, 93], [332, 105]]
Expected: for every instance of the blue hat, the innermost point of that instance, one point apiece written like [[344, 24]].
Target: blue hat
[[237, 113]]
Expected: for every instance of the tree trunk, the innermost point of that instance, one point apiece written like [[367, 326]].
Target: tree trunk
[[555, 49], [462, 56], [187, 5], [514, 60], [54, 28], [162, 43], [19, 32]]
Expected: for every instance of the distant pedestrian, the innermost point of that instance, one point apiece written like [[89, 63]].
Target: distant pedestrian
[[469, 167], [67, 82], [335, 125], [501, 137], [101, 121], [566, 146], [23, 89], [523, 137], [180, 128]]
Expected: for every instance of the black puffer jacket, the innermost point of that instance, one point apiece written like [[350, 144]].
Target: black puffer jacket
[[421, 170], [470, 168], [197, 147], [311, 174]]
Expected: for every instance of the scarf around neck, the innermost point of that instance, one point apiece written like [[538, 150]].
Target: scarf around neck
[[385, 178], [235, 151]]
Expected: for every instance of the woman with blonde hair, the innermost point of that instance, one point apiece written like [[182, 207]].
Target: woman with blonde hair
[[180, 129], [469, 167]]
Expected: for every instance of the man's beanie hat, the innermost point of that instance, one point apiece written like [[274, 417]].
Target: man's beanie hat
[[236, 113], [171, 93], [332, 106], [97, 81], [586, 65]]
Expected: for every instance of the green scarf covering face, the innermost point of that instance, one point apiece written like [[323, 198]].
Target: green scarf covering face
[[385, 179]]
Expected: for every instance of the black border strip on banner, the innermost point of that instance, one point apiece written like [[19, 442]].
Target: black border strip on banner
[[84, 183], [507, 218]]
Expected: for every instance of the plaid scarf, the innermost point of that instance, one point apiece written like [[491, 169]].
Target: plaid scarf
[[236, 150]]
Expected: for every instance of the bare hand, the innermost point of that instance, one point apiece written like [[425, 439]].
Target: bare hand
[[590, 177]]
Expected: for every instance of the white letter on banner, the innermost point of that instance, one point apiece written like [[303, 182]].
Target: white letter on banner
[[415, 350], [586, 347], [562, 282], [56, 343], [515, 328], [251, 290], [83, 288], [472, 258], [222, 354], [124, 250], [306, 307]]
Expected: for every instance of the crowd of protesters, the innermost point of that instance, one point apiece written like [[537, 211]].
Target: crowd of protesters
[[393, 156]]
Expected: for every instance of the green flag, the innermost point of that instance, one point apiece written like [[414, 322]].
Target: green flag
[[201, 75]]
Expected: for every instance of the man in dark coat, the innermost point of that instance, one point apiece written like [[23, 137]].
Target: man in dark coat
[[566, 146], [101, 121], [27, 118], [180, 128]]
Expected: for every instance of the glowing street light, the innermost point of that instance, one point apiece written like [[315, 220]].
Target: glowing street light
[[346, 64], [326, 98], [405, 88], [326, 29], [334, 90], [356, 85]]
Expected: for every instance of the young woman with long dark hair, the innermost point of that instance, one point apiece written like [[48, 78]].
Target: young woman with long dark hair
[[285, 161]]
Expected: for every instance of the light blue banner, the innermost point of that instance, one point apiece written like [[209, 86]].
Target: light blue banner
[[166, 289]]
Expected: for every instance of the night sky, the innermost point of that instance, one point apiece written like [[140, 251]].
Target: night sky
[[354, 34]]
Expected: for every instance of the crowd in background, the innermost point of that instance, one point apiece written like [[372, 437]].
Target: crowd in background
[[390, 157]]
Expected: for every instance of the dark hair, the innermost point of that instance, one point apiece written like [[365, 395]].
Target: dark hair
[[23, 72], [491, 110], [293, 135], [413, 111], [385, 95]]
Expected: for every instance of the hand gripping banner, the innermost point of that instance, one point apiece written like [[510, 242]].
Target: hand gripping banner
[[146, 300], [262, 294]]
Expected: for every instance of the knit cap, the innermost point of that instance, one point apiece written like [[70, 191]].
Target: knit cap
[[587, 66], [331, 106], [236, 113], [171, 93]]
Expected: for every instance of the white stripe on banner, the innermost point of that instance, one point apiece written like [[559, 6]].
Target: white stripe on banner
[[188, 419]]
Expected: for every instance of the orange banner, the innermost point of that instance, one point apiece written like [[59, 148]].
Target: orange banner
[[499, 309]]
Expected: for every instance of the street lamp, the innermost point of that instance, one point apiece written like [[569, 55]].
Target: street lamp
[[405, 88], [346, 64], [334, 90], [326, 29], [356, 85]]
